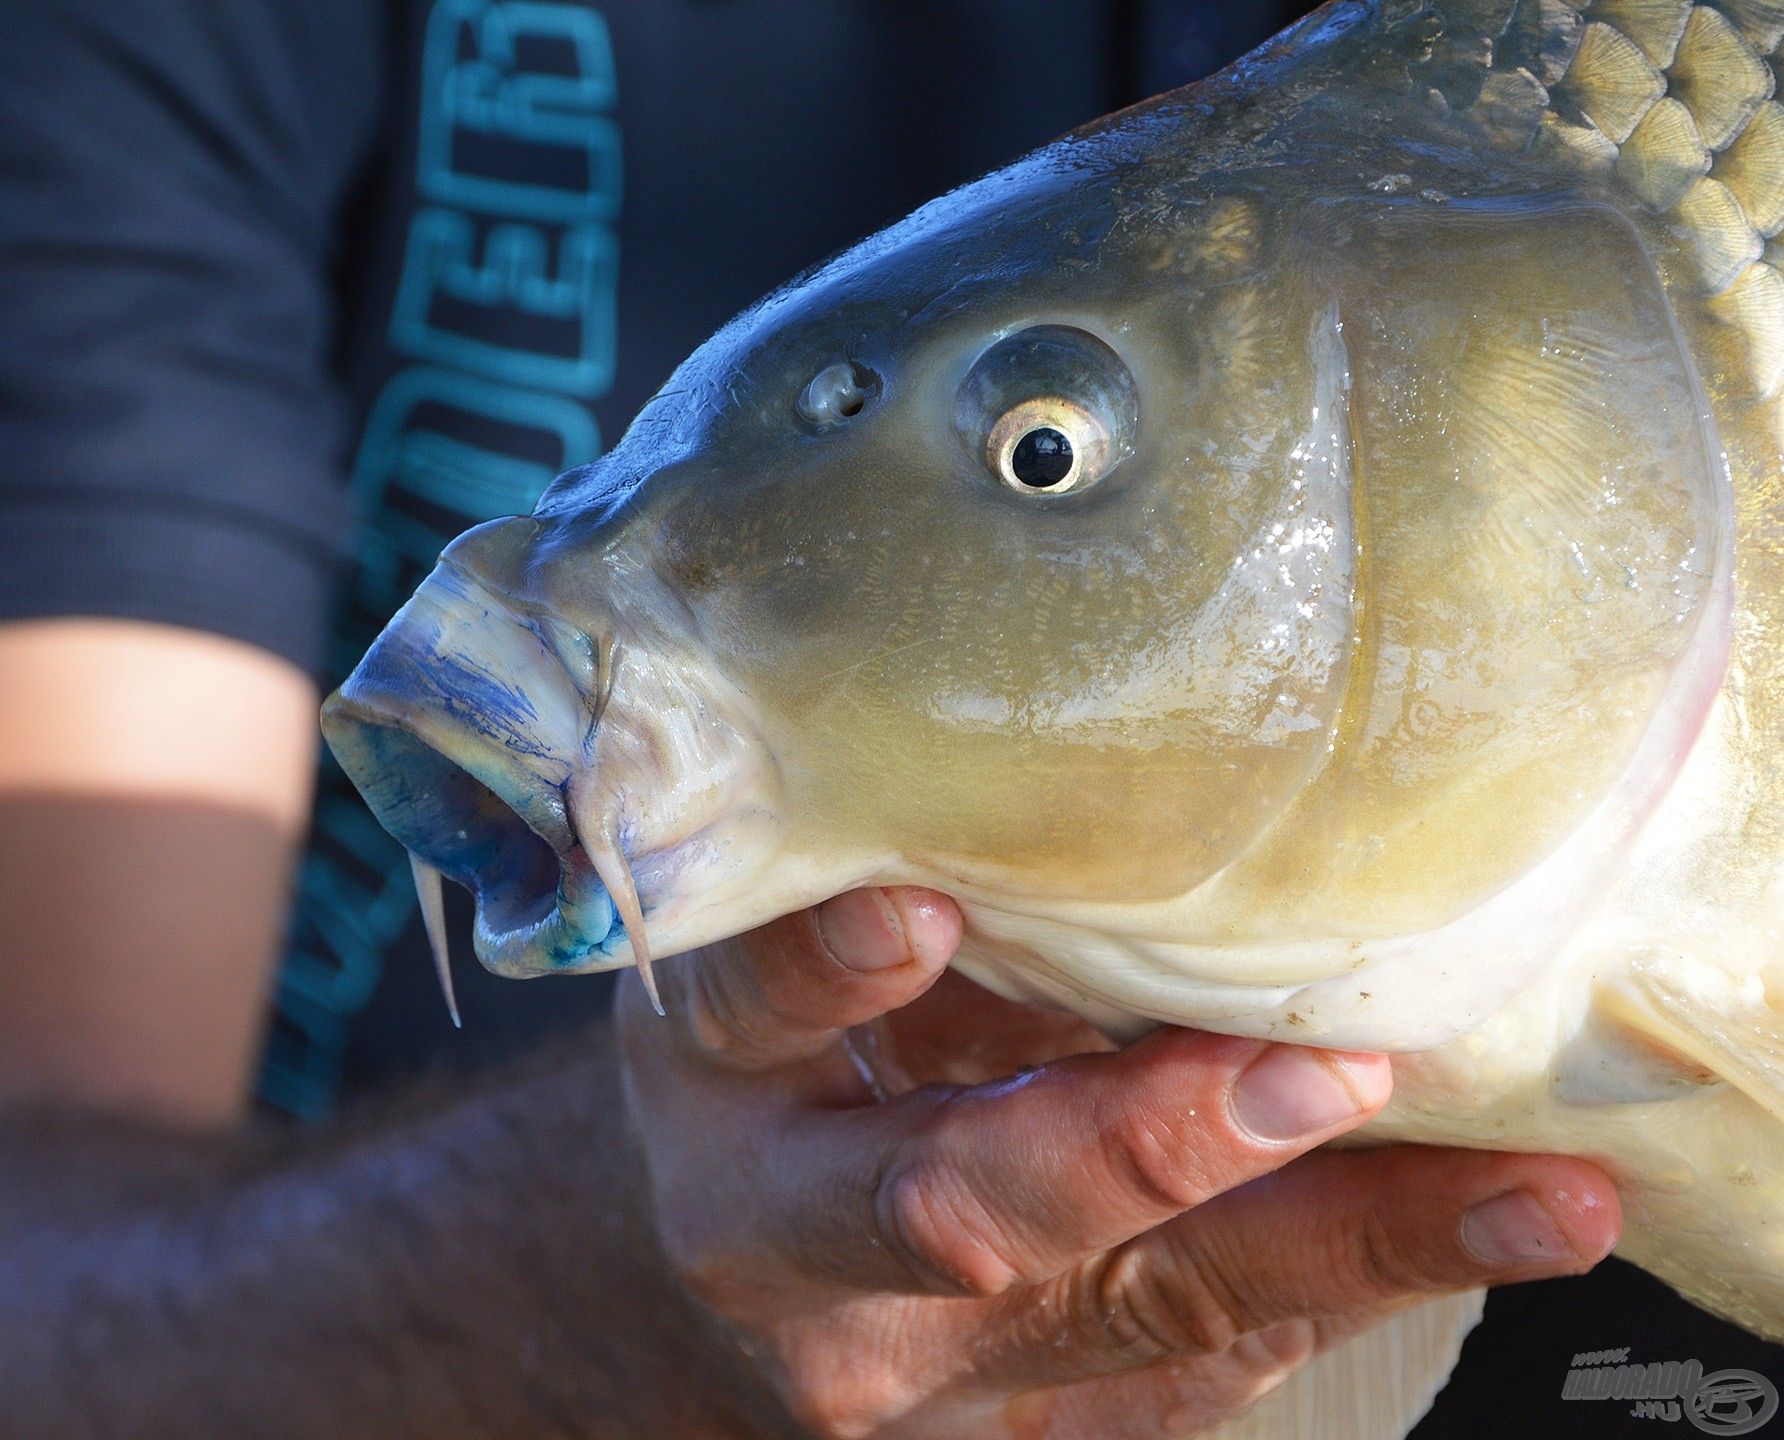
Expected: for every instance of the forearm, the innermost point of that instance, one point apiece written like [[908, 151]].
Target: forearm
[[480, 1267]]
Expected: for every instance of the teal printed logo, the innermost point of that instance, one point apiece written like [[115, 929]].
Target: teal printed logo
[[504, 138], [569, 302], [507, 310], [417, 461]]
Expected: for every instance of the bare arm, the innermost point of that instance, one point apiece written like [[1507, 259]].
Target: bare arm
[[154, 786]]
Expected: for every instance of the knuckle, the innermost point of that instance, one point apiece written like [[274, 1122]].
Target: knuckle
[[1150, 1153], [1374, 1259], [829, 1384], [705, 1266], [712, 1282], [1111, 1309], [754, 1005], [714, 1019], [942, 1233], [1283, 1349], [1265, 1362], [1152, 1311]]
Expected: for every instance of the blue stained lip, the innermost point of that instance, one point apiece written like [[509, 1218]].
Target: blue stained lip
[[582, 930]]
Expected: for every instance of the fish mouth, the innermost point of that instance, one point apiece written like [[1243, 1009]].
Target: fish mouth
[[472, 743], [542, 904]]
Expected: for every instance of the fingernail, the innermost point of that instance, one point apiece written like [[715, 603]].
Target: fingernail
[[1514, 1230], [1289, 1093], [931, 924], [862, 932]]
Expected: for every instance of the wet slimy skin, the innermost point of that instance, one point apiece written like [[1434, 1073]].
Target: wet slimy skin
[[1298, 558]]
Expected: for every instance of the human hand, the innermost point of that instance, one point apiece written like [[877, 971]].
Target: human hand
[[923, 1211]]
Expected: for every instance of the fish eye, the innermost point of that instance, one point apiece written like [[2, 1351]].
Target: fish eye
[[837, 394], [1049, 446], [1048, 411]]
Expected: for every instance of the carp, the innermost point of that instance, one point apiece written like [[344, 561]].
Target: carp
[[1301, 558]]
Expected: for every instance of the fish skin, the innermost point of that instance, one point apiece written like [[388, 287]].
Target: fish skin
[[1415, 682]]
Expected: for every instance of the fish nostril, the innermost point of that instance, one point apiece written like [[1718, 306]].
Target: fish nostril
[[838, 393], [449, 819]]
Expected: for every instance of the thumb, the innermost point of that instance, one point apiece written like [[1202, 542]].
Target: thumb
[[784, 993]]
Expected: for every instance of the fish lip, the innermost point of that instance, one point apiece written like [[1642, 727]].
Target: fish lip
[[539, 905], [579, 923], [539, 806], [482, 799]]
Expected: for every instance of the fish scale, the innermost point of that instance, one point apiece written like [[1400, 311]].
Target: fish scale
[[1673, 101]]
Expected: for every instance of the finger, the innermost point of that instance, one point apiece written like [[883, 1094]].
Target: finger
[[1337, 1234], [783, 993], [975, 1192]]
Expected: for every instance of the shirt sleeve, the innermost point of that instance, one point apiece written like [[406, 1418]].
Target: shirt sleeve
[[172, 175]]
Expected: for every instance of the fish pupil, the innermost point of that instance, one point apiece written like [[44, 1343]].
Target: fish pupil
[[1043, 458]]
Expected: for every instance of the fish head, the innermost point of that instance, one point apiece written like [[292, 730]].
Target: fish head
[[1165, 535], [906, 574]]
